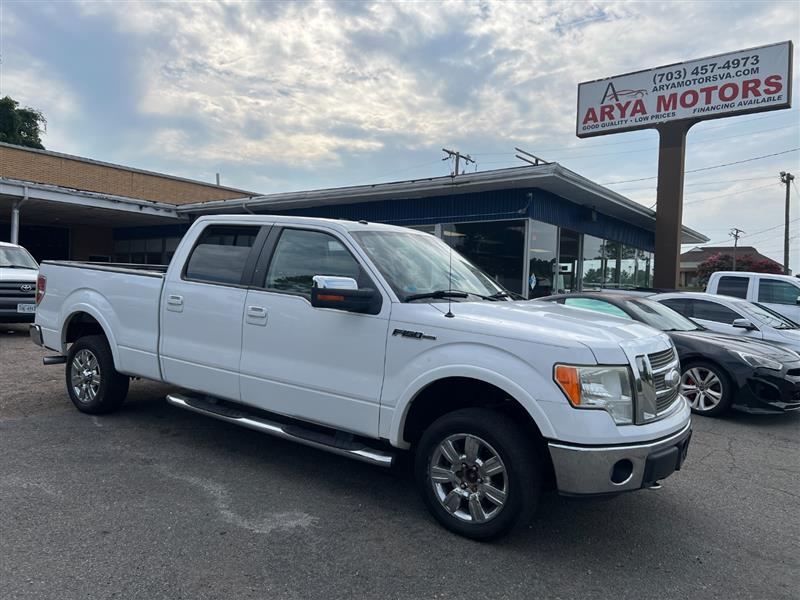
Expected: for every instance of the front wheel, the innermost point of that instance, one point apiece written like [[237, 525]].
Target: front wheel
[[707, 388], [93, 384], [477, 473]]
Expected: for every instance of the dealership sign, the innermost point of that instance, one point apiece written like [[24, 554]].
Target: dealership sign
[[724, 85]]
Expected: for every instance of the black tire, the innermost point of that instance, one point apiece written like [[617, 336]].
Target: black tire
[[521, 478], [724, 386], [87, 395]]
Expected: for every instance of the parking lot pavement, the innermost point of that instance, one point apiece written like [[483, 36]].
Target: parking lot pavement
[[154, 502]]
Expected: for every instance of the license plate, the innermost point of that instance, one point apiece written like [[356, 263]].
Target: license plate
[[26, 308]]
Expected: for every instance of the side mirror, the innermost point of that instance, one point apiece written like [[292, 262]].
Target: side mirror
[[342, 293], [743, 324], [797, 300]]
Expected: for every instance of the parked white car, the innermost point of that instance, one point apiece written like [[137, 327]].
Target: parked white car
[[367, 340], [734, 316], [18, 271], [780, 293]]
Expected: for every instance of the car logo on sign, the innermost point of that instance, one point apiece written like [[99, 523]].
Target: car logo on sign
[[26, 287]]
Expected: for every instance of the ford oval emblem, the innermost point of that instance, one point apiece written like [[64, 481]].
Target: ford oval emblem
[[27, 287], [672, 378]]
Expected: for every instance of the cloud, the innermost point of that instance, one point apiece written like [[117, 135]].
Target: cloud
[[294, 95]]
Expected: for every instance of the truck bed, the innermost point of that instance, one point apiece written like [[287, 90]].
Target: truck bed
[[123, 298]]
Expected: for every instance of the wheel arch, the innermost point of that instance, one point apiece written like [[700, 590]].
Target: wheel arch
[[84, 320]]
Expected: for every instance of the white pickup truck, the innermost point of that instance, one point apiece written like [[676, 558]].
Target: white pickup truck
[[369, 340]]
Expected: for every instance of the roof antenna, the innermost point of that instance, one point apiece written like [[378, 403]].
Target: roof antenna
[[449, 313]]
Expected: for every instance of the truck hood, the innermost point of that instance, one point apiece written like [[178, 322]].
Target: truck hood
[[25, 275], [546, 322]]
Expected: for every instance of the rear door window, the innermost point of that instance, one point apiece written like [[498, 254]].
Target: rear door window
[[776, 291], [711, 311], [730, 285], [221, 253], [679, 305]]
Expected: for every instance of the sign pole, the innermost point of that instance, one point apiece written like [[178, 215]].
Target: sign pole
[[669, 202]]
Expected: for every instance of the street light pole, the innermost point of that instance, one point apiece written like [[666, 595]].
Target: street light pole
[[786, 179]]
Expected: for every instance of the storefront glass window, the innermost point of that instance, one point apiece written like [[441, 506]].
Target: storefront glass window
[[542, 254], [497, 247], [593, 263], [569, 258]]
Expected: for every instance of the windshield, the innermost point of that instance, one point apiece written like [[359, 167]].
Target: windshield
[[660, 316], [419, 263], [768, 317], [11, 256]]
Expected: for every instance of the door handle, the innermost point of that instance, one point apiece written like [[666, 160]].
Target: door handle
[[175, 303], [256, 311]]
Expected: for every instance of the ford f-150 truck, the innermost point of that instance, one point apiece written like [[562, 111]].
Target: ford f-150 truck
[[369, 340]]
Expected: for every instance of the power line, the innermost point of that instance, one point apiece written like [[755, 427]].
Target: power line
[[737, 162]]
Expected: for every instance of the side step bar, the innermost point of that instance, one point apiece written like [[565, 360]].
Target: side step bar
[[307, 437]]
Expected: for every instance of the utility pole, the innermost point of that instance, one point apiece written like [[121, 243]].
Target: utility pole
[[735, 232], [786, 179], [458, 156]]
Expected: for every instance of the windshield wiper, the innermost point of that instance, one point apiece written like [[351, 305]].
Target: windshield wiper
[[437, 294]]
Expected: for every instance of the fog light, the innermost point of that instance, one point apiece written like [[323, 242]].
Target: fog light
[[622, 471]]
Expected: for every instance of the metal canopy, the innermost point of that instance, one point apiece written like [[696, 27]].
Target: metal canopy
[[551, 177]]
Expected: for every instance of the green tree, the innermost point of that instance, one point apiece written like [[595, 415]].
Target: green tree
[[21, 126]]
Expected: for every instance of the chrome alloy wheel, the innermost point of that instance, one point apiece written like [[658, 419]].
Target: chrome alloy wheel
[[702, 387], [469, 478], [84, 374]]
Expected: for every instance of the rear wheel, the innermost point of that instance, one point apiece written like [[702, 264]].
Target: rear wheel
[[477, 473], [707, 388], [93, 384]]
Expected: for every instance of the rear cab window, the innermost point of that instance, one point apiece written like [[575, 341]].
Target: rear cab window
[[731, 285], [220, 254]]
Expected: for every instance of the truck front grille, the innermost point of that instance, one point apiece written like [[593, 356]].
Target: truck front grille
[[659, 360], [14, 290], [662, 363]]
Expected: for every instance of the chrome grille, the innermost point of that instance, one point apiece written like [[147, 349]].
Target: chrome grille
[[662, 363], [665, 400], [659, 360]]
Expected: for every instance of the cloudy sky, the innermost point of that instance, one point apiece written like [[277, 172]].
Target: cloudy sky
[[286, 96]]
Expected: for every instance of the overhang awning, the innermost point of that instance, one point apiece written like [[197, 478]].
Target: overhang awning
[[551, 177], [54, 205]]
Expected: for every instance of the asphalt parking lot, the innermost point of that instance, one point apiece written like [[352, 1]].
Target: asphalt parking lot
[[154, 502]]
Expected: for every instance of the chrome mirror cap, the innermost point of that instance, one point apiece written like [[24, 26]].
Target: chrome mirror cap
[[331, 282]]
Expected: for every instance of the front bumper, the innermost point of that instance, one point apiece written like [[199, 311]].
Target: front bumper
[[594, 470], [770, 392]]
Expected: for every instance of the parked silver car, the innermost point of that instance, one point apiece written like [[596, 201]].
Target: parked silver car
[[734, 316]]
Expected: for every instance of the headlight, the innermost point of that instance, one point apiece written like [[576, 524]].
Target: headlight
[[756, 361], [604, 388]]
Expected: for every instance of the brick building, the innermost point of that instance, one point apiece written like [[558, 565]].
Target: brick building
[[534, 228]]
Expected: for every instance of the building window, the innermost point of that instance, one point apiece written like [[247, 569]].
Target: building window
[[542, 257], [593, 263], [569, 258], [497, 247]]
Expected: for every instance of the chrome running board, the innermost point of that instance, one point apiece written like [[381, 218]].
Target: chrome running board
[[307, 437]]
